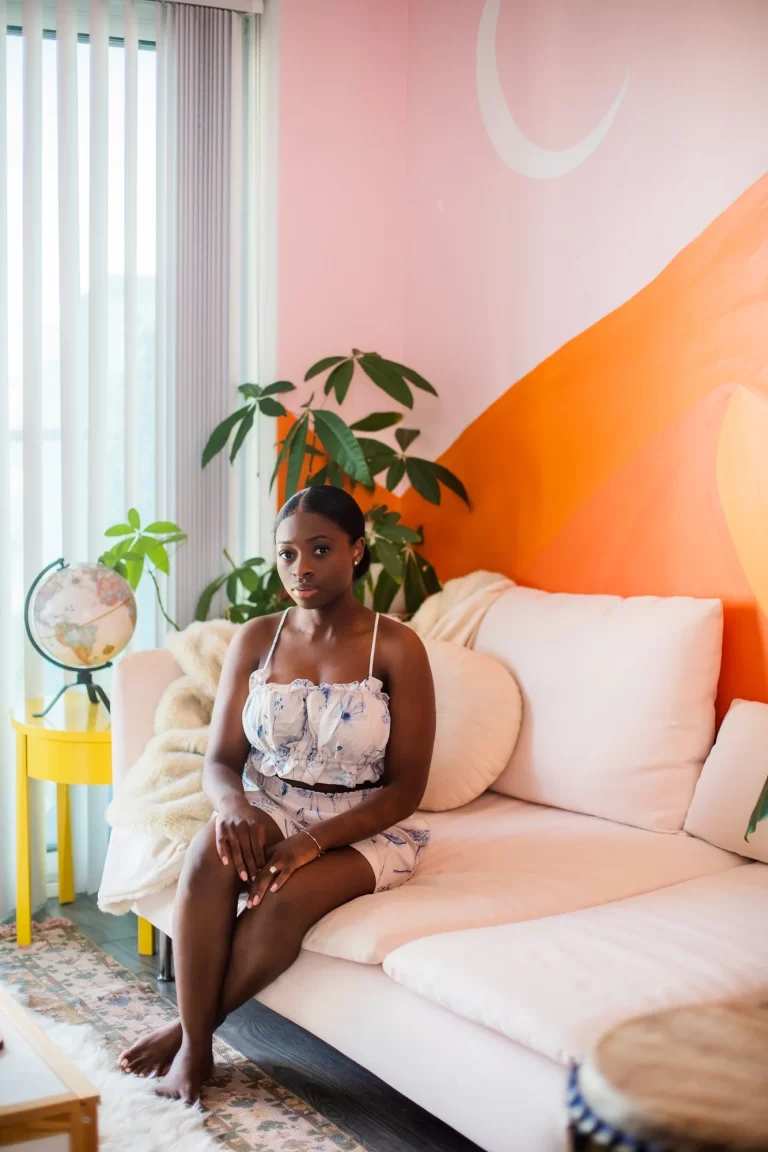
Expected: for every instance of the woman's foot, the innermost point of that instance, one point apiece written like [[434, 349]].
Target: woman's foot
[[153, 1055], [191, 1067]]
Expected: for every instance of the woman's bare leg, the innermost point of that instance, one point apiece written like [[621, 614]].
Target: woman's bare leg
[[204, 915], [265, 943]]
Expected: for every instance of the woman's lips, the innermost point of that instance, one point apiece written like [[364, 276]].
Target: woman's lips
[[306, 591]]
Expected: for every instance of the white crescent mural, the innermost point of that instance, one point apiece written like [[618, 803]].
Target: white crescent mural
[[511, 143]]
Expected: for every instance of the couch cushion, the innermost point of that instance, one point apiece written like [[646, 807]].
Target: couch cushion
[[479, 709], [555, 985], [499, 861], [618, 700], [730, 783]]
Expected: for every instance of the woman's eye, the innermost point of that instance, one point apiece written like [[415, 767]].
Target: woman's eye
[[322, 549], [285, 556]]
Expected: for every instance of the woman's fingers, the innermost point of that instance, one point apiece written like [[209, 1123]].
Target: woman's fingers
[[237, 856], [222, 846], [257, 848], [246, 848], [261, 884], [279, 878]]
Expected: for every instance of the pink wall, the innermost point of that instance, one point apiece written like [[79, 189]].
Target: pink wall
[[342, 181]]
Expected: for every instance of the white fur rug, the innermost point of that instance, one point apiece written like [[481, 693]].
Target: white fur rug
[[131, 1117]]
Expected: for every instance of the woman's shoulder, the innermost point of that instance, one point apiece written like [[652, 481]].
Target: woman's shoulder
[[254, 638], [398, 638]]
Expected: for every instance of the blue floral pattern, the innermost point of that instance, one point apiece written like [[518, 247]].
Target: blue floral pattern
[[318, 733]]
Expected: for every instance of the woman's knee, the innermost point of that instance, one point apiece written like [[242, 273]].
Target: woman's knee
[[203, 860]]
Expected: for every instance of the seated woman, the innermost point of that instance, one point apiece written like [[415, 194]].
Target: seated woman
[[331, 710]]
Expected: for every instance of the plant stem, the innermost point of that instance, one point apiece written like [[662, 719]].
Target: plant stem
[[160, 602], [234, 566]]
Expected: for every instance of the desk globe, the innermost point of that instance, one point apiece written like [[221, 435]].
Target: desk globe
[[82, 616]]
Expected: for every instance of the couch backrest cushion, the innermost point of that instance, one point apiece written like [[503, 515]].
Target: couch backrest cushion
[[731, 781], [618, 700], [479, 709]]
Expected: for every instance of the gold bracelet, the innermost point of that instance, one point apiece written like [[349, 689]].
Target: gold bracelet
[[320, 849]]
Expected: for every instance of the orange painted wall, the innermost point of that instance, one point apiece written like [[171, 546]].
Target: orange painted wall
[[635, 459]]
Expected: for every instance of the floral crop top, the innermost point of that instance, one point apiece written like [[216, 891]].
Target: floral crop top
[[317, 733]]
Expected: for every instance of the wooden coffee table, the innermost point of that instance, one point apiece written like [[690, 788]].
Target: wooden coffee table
[[46, 1104]]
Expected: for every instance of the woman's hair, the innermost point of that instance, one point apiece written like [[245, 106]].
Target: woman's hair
[[335, 505]]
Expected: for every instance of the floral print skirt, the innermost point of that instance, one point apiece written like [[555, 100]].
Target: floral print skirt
[[392, 854]]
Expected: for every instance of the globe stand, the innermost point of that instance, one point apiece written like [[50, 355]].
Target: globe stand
[[95, 691], [84, 675]]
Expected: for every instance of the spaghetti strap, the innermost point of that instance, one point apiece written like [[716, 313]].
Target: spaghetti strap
[[277, 636], [373, 645]]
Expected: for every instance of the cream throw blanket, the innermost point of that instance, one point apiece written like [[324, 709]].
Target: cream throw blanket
[[160, 803]]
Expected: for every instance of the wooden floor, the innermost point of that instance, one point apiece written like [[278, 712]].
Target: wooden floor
[[362, 1105]]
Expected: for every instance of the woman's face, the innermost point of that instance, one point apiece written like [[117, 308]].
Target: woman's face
[[315, 558]]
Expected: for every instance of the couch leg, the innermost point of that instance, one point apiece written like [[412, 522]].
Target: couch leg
[[166, 973]]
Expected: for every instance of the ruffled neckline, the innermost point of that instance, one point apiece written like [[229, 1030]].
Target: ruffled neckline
[[371, 683]]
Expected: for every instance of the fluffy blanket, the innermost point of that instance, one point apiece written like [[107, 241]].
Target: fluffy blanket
[[160, 803]]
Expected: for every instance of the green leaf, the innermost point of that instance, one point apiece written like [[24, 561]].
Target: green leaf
[[140, 547], [159, 557], [376, 421], [175, 538], [340, 379], [323, 366], [341, 445], [422, 477], [119, 530], [415, 379], [162, 526], [413, 586], [252, 390], [254, 562], [272, 407], [451, 481], [206, 596], [406, 436], [308, 403], [134, 568], [395, 473], [231, 587], [249, 579], [284, 450], [400, 533], [245, 426], [277, 387], [237, 613], [386, 379], [274, 584], [121, 568], [296, 458], [220, 434], [391, 558], [134, 519], [428, 574], [107, 558], [378, 455], [318, 479], [759, 812], [384, 592]]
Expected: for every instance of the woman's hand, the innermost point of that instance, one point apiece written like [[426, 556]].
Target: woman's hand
[[240, 837], [282, 862]]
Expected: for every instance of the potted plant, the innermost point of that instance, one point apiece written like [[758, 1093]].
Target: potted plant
[[142, 549], [320, 448]]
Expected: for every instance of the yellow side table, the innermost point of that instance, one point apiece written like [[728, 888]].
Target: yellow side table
[[71, 745]]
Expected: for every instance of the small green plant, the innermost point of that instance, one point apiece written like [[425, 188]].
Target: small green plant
[[142, 550], [253, 588], [320, 448], [759, 812]]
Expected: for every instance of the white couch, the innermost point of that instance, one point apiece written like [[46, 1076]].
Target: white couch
[[528, 928]]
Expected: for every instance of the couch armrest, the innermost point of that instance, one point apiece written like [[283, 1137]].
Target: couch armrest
[[138, 682]]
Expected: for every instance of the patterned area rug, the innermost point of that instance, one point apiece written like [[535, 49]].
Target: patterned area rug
[[71, 981]]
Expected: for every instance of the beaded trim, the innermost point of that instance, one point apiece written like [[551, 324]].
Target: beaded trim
[[602, 1134]]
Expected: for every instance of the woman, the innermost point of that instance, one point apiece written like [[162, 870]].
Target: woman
[[331, 709]]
